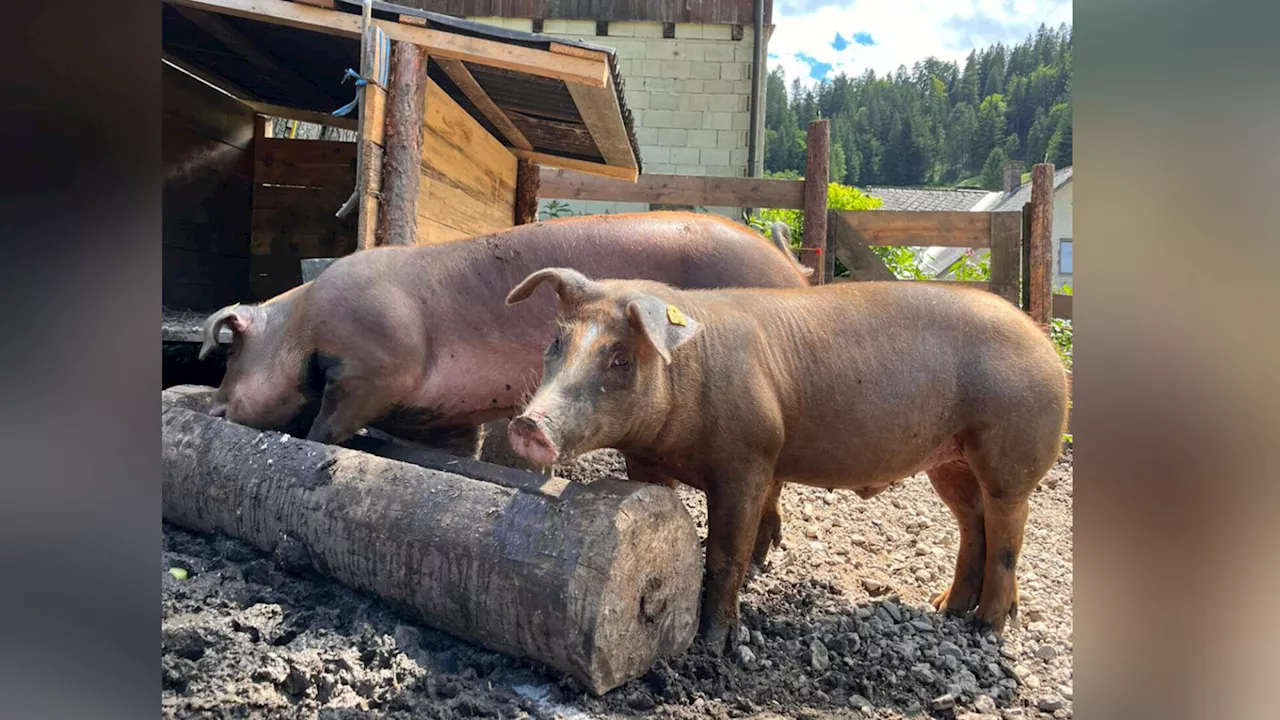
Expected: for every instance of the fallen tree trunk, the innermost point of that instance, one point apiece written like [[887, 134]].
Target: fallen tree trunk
[[598, 581]]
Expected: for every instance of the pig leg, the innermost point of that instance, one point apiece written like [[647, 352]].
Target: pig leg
[[735, 502], [956, 484], [642, 471], [350, 402], [461, 441], [769, 534], [1005, 520]]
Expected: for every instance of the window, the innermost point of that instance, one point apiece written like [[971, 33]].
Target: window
[[1064, 256]]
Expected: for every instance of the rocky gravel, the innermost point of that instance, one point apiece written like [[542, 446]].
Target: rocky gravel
[[838, 625]]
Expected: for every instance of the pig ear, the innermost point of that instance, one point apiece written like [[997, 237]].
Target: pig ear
[[570, 285], [236, 317], [664, 325]]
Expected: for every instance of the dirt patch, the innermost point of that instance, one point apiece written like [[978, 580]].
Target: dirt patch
[[837, 626]]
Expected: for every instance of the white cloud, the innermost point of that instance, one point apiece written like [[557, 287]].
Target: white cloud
[[905, 31]]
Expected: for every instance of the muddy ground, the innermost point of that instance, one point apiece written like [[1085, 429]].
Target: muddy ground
[[838, 626]]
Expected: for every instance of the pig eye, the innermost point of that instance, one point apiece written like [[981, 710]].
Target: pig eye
[[555, 346], [619, 360]]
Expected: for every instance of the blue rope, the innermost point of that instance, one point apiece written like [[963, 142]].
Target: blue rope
[[383, 75]]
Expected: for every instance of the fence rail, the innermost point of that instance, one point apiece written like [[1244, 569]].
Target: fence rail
[[1019, 241], [673, 189]]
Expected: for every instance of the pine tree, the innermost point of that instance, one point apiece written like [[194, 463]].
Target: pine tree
[[992, 176], [935, 122], [1060, 143]]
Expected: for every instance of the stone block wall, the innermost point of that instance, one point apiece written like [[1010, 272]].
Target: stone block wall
[[690, 97]]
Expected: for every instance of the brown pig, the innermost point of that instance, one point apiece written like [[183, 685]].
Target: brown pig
[[850, 386], [417, 341]]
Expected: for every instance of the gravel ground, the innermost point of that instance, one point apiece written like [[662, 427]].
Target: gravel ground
[[838, 626]]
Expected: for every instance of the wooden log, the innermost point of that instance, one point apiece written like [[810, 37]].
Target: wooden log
[[406, 110], [1041, 295], [817, 175], [528, 177], [598, 581]]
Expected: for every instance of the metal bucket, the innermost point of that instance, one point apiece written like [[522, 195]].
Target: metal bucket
[[312, 267]]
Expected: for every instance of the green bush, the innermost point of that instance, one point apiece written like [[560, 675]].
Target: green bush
[[1060, 332], [839, 197]]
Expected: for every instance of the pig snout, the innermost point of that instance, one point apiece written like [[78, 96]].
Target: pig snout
[[530, 440]]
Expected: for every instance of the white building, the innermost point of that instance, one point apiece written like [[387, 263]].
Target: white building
[[1011, 199]]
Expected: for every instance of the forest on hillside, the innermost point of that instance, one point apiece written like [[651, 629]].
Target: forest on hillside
[[935, 124]]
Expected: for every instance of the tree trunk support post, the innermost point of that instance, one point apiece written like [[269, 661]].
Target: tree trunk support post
[[401, 173], [816, 177], [1041, 250], [528, 181]]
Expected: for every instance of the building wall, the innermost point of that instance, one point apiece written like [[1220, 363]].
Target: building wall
[[1062, 204], [689, 96]]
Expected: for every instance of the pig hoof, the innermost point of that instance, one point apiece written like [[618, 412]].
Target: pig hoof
[[994, 622], [952, 603], [716, 637]]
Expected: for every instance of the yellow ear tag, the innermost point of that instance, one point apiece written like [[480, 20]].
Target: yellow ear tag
[[675, 316]]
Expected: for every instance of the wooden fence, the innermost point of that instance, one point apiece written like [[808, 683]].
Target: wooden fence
[[1020, 242]]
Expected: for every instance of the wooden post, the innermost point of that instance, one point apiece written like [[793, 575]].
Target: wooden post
[[528, 180], [1041, 293], [1026, 257], [402, 161], [598, 581], [817, 174], [1006, 254], [370, 133]]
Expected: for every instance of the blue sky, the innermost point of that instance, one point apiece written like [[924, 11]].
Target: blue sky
[[821, 38]]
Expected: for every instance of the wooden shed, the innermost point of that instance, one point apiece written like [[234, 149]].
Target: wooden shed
[[450, 122]]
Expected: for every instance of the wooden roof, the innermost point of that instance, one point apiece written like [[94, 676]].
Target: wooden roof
[[552, 100]]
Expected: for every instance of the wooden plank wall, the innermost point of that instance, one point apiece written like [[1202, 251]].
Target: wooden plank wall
[[207, 141], [299, 185], [726, 12], [468, 184]]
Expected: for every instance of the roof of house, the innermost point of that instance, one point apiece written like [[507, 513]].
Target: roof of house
[[1022, 195], [311, 64], [927, 199]]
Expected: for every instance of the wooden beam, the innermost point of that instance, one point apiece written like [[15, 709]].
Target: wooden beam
[[675, 189], [817, 175], [210, 77], [599, 110], [1025, 303], [438, 43], [407, 102], [311, 116], [942, 229], [221, 30], [466, 82], [582, 166], [848, 244], [501, 55], [562, 49], [1042, 243], [1062, 306], [527, 181], [1006, 254]]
